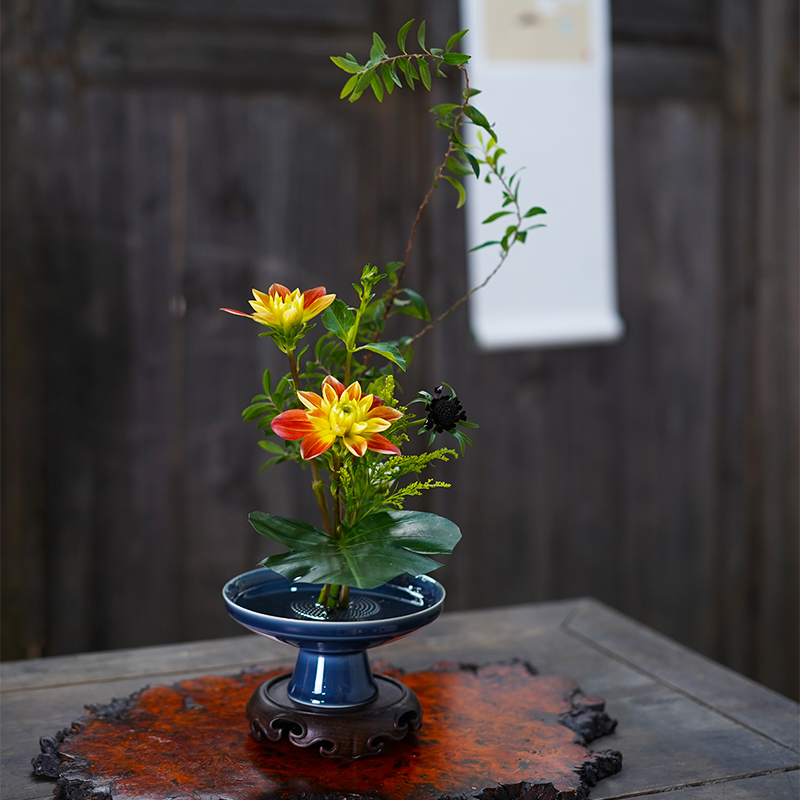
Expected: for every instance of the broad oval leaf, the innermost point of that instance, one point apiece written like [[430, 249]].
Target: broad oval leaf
[[338, 319], [387, 351], [420, 531]]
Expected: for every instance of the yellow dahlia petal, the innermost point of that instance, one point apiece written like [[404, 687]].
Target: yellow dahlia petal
[[381, 444], [329, 394], [278, 290], [354, 391], [376, 424], [318, 305], [385, 412], [357, 445], [310, 400]]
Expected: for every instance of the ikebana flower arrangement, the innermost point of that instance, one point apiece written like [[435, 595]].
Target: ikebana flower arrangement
[[336, 408]]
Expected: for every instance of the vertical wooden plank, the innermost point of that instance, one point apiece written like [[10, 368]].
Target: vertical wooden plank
[[737, 550], [23, 489], [668, 185], [777, 348], [140, 558], [81, 241]]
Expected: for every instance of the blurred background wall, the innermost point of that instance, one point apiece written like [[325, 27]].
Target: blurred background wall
[[162, 157]]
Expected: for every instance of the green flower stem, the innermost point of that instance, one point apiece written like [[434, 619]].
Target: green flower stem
[[337, 511], [347, 366], [317, 483], [351, 343], [332, 595], [329, 596], [319, 492], [293, 367]]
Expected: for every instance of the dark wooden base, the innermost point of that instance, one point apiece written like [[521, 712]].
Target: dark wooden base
[[493, 731], [349, 734]]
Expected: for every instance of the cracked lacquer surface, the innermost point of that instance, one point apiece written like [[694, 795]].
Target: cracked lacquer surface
[[486, 728]]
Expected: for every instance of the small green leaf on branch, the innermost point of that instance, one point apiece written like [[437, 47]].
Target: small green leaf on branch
[[454, 39], [348, 87], [474, 164], [402, 33], [377, 87], [456, 59], [496, 215], [424, 73], [481, 246], [416, 307], [444, 108], [364, 80], [421, 35], [462, 195], [378, 50], [478, 118], [345, 64]]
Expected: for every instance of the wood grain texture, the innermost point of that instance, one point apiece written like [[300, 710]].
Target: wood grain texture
[[160, 160]]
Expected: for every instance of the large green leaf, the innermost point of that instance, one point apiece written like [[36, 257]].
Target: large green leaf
[[288, 532], [379, 548]]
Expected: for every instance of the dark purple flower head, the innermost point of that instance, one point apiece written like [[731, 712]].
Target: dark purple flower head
[[444, 411]]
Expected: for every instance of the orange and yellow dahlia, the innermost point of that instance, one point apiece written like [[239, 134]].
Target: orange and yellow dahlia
[[286, 311], [338, 414]]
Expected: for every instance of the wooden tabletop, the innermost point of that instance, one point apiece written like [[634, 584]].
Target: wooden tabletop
[[687, 726]]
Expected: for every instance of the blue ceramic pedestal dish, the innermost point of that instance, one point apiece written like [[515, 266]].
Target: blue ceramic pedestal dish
[[332, 680]]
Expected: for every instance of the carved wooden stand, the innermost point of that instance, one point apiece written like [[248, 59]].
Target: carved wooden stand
[[350, 734]]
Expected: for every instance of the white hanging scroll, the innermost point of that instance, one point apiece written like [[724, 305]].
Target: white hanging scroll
[[543, 67]]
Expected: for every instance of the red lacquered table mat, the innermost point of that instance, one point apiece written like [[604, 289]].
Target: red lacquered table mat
[[497, 726]]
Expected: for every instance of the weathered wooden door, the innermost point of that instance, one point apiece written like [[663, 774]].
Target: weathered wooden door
[[161, 158]]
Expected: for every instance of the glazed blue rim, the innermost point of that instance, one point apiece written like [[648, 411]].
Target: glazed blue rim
[[269, 624]]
